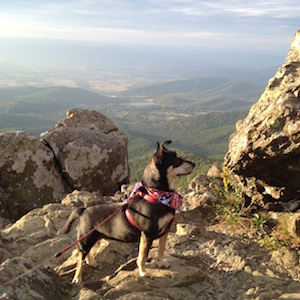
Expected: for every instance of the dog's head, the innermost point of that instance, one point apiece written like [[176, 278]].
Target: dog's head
[[164, 167]]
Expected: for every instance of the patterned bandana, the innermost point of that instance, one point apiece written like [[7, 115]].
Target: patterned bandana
[[171, 199]]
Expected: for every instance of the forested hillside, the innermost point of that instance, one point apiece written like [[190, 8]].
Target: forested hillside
[[202, 94], [198, 115], [203, 138]]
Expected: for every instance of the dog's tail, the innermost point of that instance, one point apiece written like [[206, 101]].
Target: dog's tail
[[76, 213]]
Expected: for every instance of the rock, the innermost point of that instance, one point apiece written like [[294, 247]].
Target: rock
[[29, 177], [285, 258], [186, 229], [191, 201], [34, 235], [201, 190], [271, 206], [4, 255], [47, 249], [213, 172], [206, 262], [177, 279], [91, 151], [26, 226], [294, 225], [292, 205], [289, 296], [82, 198], [3, 223], [35, 224], [86, 151], [266, 145], [199, 183], [209, 197], [21, 279], [108, 251], [86, 294]]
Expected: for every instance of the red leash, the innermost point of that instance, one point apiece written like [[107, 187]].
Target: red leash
[[58, 254]]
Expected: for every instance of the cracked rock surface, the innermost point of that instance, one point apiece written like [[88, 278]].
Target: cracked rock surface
[[207, 260], [85, 151], [266, 145]]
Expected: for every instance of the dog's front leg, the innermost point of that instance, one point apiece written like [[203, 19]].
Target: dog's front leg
[[78, 274], [145, 244], [161, 249]]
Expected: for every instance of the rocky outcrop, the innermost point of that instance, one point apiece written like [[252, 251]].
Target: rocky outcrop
[[91, 151], [294, 225], [265, 149], [86, 151], [206, 261], [29, 177], [42, 283]]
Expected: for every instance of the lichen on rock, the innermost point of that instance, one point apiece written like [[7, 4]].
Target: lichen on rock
[[89, 149]]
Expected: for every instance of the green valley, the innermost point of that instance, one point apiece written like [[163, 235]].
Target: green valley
[[198, 115]]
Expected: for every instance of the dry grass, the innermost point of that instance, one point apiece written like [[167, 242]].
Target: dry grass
[[270, 233], [282, 233]]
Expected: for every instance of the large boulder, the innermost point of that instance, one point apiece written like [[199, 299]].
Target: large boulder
[[91, 151], [21, 279], [29, 177], [265, 149], [86, 151]]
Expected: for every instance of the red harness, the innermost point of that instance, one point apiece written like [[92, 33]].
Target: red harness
[[146, 197], [171, 199]]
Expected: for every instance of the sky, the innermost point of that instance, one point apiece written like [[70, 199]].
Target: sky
[[232, 24]]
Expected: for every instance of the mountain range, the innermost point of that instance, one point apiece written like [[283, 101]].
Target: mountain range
[[198, 114]]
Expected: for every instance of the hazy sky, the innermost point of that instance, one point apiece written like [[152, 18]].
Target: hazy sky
[[237, 24]]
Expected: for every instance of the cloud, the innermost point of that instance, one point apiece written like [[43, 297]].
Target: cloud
[[215, 23], [274, 8]]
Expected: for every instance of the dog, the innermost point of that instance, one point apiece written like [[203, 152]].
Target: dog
[[147, 214]]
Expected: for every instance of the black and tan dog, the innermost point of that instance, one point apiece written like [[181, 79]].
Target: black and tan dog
[[143, 218]]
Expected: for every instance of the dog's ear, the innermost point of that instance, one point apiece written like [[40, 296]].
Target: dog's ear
[[158, 154], [165, 143], [160, 150]]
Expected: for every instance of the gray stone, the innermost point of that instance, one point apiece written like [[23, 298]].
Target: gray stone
[[213, 172], [29, 177], [82, 198], [20, 278], [91, 151], [294, 225]]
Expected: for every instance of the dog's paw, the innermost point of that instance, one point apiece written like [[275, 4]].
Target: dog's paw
[[163, 264], [75, 280], [93, 264], [146, 275], [91, 261]]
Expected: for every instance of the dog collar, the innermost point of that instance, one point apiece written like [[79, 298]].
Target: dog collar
[[171, 199]]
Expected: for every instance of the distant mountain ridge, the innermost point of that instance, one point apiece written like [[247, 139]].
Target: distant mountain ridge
[[194, 85], [209, 85], [30, 99], [12, 93], [206, 94]]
